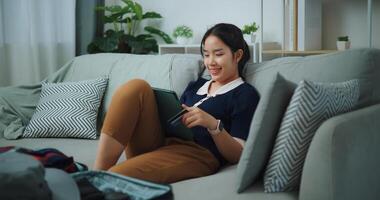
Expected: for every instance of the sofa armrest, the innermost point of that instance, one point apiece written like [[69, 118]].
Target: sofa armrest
[[343, 161]]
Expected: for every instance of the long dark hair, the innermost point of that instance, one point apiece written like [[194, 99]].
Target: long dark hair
[[232, 36]]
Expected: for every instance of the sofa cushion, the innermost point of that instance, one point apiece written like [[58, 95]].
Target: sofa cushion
[[311, 104], [69, 146], [361, 64], [221, 186], [264, 127], [67, 109], [170, 71]]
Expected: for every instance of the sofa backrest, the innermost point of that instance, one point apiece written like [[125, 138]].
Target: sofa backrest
[[172, 71], [175, 71], [362, 64]]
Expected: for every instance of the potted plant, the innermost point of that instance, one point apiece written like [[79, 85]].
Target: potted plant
[[343, 43], [182, 34], [123, 38], [250, 31]]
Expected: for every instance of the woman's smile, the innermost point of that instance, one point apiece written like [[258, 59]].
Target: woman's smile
[[214, 70]]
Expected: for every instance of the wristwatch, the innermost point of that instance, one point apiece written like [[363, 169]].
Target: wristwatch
[[219, 128]]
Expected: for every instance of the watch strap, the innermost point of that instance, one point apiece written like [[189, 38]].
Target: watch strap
[[219, 128]]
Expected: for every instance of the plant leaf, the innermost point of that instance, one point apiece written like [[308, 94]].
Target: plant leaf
[[130, 5], [113, 18], [160, 33], [107, 19], [144, 47], [117, 41], [141, 44], [113, 9], [93, 48], [144, 37], [151, 15], [108, 43], [138, 11], [125, 20], [127, 8], [134, 8], [113, 33]]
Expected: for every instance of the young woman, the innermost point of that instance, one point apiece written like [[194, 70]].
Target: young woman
[[219, 114]]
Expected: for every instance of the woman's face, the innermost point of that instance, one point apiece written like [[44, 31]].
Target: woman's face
[[221, 63]]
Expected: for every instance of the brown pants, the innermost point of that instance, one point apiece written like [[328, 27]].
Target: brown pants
[[133, 120]]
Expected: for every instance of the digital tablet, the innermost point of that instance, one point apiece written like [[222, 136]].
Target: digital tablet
[[171, 111], [176, 119]]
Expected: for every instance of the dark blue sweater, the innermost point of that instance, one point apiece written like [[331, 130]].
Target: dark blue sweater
[[234, 108]]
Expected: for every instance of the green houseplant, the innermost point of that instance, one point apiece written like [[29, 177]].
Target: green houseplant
[[250, 30], [182, 34], [343, 38], [123, 38], [343, 43]]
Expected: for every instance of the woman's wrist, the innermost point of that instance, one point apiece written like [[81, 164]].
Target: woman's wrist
[[214, 125], [218, 128]]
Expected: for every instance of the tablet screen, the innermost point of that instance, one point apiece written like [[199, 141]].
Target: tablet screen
[[169, 108]]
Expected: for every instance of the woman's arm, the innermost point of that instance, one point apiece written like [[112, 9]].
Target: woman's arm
[[230, 147]]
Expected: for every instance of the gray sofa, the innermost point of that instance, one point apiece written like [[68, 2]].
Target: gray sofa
[[343, 160]]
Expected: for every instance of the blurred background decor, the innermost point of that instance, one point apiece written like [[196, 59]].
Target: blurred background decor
[[182, 34], [123, 37]]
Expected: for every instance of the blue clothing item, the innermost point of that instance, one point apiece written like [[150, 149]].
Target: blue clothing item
[[234, 108]]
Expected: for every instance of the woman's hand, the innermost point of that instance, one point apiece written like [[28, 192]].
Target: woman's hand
[[230, 147], [197, 117]]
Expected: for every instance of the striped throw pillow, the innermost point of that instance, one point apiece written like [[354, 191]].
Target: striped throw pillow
[[67, 109], [311, 104]]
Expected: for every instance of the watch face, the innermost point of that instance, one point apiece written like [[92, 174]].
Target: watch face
[[220, 125]]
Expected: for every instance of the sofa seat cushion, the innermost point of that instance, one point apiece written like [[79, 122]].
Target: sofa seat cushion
[[82, 151], [221, 186], [214, 187]]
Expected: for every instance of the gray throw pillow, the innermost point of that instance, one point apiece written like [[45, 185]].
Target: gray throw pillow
[[67, 109], [264, 127], [311, 104]]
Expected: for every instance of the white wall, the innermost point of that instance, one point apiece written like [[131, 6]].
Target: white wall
[[201, 14], [339, 17], [349, 17]]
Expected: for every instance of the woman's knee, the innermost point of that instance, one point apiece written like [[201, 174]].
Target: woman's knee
[[136, 83], [134, 87]]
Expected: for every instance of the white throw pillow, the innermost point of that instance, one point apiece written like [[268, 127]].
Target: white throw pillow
[[311, 104], [67, 109]]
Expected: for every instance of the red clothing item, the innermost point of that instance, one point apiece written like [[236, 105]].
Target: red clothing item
[[50, 157]]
